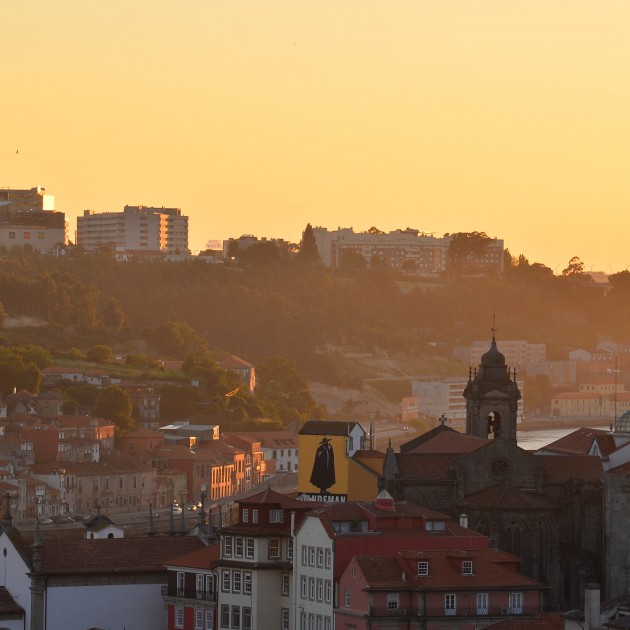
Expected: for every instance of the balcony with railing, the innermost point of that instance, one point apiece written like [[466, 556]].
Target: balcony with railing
[[458, 611], [187, 594]]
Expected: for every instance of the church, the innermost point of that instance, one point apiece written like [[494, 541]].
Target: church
[[547, 510]]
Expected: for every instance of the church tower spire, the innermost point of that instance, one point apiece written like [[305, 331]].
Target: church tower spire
[[492, 397]]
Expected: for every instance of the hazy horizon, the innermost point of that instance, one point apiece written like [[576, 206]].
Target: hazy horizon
[[441, 115]]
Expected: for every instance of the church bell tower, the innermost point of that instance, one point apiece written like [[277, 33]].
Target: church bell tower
[[492, 397]]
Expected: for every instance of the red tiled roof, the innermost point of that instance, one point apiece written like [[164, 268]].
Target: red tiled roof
[[271, 497], [581, 440], [561, 469], [426, 466], [234, 363], [8, 606], [491, 569], [198, 559], [115, 555], [143, 433], [505, 497]]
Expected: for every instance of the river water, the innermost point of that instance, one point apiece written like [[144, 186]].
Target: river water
[[532, 440]]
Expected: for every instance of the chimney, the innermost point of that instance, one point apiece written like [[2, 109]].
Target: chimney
[[592, 607], [463, 520]]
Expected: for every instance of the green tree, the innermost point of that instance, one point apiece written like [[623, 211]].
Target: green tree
[[178, 401], [575, 269], [175, 339], [279, 383], [308, 252], [465, 252], [114, 404], [113, 315], [100, 354]]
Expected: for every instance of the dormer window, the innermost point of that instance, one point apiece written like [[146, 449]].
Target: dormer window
[[423, 568], [467, 568]]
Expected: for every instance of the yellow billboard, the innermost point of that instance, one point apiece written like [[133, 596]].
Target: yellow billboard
[[323, 468]]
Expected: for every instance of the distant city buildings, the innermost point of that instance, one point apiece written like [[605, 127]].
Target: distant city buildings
[[516, 352], [136, 229], [407, 250], [28, 217]]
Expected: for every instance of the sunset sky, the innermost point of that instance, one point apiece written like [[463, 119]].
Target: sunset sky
[[508, 117]]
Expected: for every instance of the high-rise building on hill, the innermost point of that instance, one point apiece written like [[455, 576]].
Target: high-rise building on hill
[[28, 217], [137, 228]]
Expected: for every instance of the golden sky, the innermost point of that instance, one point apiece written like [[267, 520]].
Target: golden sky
[[509, 117]]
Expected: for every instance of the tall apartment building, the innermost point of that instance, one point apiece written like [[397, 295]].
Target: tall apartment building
[[409, 249], [28, 217], [516, 352], [137, 228]]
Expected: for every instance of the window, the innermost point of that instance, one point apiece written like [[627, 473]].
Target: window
[[311, 556], [285, 583], [311, 588], [245, 518], [236, 616], [227, 546], [423, 568], [247, 618], [304, 556], [225, 616], [290, 549], [200, 584], [225, 585], [249, 548], [209, 619], [347, 597], [320, 590], [247, 582], [236, 581], [254, 516], [327, 623], [284, 619], [276, 516], [11, 234], [303, 587], [450, 604], [392, 601], [327, 591], [198, 619], [209, 585], [238, 547], [482, 603], [180, 584], [516, 603], [179, 617], [467, 567], [320, 557], [274, 547], [328, 558]]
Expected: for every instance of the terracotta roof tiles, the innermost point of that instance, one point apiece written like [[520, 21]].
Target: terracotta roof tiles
[[565, 468], [426, 466]]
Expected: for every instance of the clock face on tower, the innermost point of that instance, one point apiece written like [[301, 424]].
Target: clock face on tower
[[499, 468]]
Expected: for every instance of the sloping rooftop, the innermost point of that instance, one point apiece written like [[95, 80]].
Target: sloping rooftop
[[505, 497], [587, 468], [428, 466], [580, 442], [234, 363], [449, 442], [543, 621], [115, 555], [199, 558], [327, 427], [8, 606]]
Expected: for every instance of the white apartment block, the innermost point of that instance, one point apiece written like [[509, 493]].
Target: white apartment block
[[137, 228], [409, 249], [516, 352], [313, 576]]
